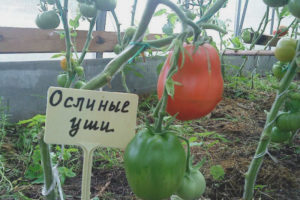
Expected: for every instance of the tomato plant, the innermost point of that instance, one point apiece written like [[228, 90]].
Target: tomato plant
[[106, 5], [285, 49], [47, 20], [88, 10], [276, 3], [200, 81], [154, 164], [294, 7]]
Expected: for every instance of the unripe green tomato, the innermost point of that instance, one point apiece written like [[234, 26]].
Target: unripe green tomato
[[292, 102], [79, 70], [276, 3], [189, 14], [47, 20], [193, 185], [79, 84], [117, 49], [88, 10], [279, 136], [106, 5], [289, 121], [154, 164], [129, 32], [278, 70], [285, 49], [51, 2], [246, 36], [62, 80], [294, 7]]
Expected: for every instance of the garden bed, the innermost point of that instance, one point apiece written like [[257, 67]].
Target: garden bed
[[227, 137]]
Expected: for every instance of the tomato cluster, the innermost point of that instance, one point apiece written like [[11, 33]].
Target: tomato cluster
[[288, 122]]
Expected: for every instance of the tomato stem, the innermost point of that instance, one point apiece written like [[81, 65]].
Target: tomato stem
[[117, 25], [266, 134], [47, 166], [182, 17], [88, 40], [188, 154], [64, 17]]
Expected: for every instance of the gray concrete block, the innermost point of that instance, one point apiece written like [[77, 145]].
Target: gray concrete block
[[24, 85]]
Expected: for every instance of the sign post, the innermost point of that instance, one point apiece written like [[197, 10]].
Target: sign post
[[89, 119]]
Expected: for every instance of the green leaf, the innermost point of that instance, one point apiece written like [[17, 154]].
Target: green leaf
[[160, 12], [170, 87], [159, 67], [172, 18], [284, 12], [217, 172], [73, 34], [59, 55]]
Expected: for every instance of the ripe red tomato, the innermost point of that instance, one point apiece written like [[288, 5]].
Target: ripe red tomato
[[201, 81], [280, 29]]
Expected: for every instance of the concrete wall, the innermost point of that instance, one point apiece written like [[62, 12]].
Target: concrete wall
[[24, 85]]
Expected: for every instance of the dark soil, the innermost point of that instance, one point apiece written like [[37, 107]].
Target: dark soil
[[238, 122]]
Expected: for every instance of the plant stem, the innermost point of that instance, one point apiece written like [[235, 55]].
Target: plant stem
[[164, 99], [88, 40], [266, 134], [114, 65], [182, 16], [64, 17], [47, 166], [215, 8], [256, 37], [118, 26], [188, 154], [133, 12]]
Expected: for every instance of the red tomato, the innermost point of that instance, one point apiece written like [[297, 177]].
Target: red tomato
[[280, 29], [201, 81]]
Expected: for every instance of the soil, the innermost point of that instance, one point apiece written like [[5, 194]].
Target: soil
[[237, 124]]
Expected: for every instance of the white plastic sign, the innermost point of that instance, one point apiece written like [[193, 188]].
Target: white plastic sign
[[90, 119]]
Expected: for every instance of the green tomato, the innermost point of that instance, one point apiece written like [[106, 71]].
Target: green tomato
[[292, 103], [189, 14], [106, 5], [294, 7], [117, 49], [128, 35], [51, 2], [285, 49], [288, 121], [154, 164], [79, 84], [279, 136], [246, 36], [88, 10], [192, 186], [278, 70], [62, 80], [47, 20], [79, 70], [276, 3]]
